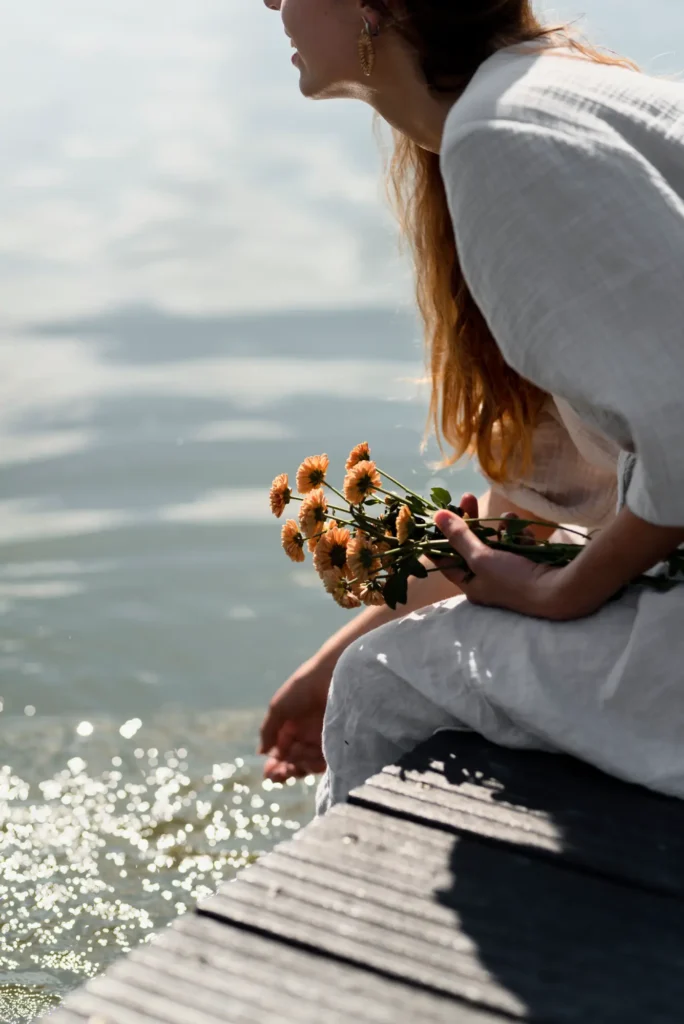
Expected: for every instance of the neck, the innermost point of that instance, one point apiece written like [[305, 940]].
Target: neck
[[400, 95], [416, 113]]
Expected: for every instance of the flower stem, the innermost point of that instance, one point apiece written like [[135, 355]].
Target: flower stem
[[525, 522], [345, 522], [335, 491], [405, 488]]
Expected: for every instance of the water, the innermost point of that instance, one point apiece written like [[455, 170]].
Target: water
[[150, 163], [140, 576]]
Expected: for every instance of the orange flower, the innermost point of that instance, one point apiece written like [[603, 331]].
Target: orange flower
[[340, 589], [362, 560], [312, 516], [293, 542], [371, 593], [380, 549], [280, 495], [405, 524], [312, 472], [331, 551], [360, 482], [359, 454]]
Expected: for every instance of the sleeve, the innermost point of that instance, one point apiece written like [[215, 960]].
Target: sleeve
[[572, 244], [561, 485]]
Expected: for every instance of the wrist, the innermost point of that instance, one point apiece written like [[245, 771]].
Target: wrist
[[560, 600]]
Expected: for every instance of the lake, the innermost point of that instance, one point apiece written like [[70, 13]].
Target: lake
[[147, 612]]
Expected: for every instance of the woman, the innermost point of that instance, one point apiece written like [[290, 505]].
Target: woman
[[541, 185]]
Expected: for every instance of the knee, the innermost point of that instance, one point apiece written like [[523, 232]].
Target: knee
[[356, 667], [360, 677]]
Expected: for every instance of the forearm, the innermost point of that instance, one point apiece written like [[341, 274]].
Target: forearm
[[614, 557]]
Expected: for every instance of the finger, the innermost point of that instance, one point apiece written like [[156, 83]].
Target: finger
[[270, 727], [459, 535], [526, 535], [504, 517], [284, 736], [303, 751], [311, 767], [278, 770], [469, 505], [272, 767]]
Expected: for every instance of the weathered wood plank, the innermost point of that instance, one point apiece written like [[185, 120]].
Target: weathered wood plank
[[550, 805], [485, 924], [128, 986], [62, 1016], [100, 1008], [336, 933], [402, 860], [199, 971], [469, 884], [327, 984]]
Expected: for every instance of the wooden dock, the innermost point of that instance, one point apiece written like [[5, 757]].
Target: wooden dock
[[469, 885]]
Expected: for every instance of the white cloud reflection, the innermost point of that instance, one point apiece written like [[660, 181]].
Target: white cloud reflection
[[161, 153], [46, 375]]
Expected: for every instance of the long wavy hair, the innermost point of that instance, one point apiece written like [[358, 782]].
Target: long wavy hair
[[478, 404]]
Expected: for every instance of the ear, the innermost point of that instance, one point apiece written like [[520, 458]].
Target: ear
[[372, 16]]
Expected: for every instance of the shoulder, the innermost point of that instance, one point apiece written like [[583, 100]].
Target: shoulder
[[532, 131], [552, 92]]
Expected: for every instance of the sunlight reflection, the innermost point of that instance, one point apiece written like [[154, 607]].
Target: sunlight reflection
[[242, 430], [234, 505]]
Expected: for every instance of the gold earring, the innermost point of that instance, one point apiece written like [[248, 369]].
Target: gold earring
[[366, 51]]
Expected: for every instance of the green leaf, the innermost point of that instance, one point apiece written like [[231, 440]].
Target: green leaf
[[415, 504], [402, 587], [440, 497], [414, 567], [392, 592]]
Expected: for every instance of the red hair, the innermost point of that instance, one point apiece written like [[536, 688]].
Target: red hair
[[478, 404]]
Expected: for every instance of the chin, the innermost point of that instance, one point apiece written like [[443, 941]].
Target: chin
[[315, 88], [321, 91]]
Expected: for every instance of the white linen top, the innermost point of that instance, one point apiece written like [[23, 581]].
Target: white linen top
[[565, 184]]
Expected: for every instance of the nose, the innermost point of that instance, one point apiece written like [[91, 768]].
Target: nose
[[273, 5]]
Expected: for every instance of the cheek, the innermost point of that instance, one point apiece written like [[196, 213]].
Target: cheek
[[314, 26], [297, 17]]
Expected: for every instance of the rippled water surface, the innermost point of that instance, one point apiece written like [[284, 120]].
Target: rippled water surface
[[155, 170], [104, 840], [147, 612]]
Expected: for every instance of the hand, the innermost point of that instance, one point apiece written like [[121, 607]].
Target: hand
[[291, 733], [501, 579]]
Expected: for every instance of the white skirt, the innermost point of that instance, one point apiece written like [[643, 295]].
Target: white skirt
[[607, 688]]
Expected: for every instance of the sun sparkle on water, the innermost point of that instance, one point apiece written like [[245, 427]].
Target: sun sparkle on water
[[98, 855]]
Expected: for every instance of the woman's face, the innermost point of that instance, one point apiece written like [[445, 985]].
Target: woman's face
[[325, 34]]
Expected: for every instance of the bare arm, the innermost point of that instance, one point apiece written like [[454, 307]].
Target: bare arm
[[625, 549]]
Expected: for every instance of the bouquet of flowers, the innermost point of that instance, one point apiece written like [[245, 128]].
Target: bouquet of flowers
[[367, 546]]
